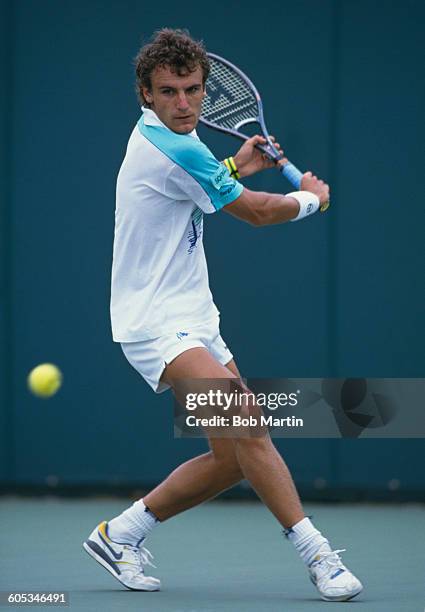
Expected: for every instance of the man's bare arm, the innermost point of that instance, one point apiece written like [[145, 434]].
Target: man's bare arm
[[261, 208]]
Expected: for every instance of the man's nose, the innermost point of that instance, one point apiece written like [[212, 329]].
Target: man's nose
[[182, 102]]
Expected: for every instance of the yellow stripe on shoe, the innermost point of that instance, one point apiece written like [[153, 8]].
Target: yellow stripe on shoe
[[102, 529]]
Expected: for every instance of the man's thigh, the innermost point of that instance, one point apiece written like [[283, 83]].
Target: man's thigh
[[198, 363], [197, 373]]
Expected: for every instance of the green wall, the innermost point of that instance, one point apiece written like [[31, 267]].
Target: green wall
[[339, 295]]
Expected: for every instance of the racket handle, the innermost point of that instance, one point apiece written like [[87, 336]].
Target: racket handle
[[292, 173], [294, 176]]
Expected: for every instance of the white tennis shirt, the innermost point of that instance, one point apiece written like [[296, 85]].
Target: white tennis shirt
[[159, 271]]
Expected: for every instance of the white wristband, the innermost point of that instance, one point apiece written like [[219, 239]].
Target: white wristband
[[309, 203]]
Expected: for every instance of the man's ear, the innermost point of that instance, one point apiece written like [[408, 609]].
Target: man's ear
[[147, 95]]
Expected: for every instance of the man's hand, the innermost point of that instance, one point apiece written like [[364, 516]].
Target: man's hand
[[250, 160], [311, 183]]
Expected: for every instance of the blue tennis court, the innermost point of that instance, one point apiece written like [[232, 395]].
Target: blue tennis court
[[222, 556]]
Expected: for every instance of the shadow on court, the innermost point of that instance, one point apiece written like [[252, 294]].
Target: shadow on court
[[222, 556]]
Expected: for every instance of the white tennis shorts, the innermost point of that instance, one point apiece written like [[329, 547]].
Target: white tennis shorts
[[149, 357]]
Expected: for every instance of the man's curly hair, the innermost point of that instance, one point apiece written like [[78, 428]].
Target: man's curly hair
[[173, 48]]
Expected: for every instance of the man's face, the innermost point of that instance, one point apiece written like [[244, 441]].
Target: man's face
[[177, 100]]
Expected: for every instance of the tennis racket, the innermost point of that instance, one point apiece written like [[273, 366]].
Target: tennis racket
[[231, 103]]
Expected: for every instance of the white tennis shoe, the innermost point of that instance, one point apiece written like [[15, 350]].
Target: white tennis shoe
[[125, 562], [332, 579]]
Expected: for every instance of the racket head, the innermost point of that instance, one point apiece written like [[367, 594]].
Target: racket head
[[232, 102]]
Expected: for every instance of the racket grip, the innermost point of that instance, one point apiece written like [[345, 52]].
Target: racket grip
[[294, 176], [292, 173]]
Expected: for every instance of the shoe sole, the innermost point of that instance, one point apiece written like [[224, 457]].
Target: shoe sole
[[342, 598], [89, 550]]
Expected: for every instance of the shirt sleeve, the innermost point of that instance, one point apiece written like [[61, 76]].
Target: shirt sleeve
[[210, 187], [196, 174]]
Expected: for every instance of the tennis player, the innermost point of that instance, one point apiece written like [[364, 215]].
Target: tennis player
[[164, 316]]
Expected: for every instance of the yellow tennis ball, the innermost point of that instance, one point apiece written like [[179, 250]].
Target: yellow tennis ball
[[45, 380]]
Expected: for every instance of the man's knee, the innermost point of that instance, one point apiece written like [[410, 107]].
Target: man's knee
[[249, 428]]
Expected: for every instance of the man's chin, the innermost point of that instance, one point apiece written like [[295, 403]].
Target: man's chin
[[182, 130], [184, 127]]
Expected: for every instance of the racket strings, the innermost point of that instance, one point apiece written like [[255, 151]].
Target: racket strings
[[229, 99]]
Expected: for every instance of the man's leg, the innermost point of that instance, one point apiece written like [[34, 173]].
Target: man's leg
[[196, 481], [203, 477], [257, 458], [115, 545]]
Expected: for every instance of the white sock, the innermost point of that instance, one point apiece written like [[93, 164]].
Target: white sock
[[133, 525], [307, 540]]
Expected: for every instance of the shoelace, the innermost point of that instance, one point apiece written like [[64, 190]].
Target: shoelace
[[329, 560], [142, 556], [146, 556]]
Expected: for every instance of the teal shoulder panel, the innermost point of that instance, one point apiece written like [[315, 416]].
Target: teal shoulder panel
[[197, 160]]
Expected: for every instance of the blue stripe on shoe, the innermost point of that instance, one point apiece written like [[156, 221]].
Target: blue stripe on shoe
[[337, 573], [114, 553], [96, 548]]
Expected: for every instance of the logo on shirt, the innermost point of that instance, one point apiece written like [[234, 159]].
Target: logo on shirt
[[181, 335], [195, 232], [220, 176], [227, 190]]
